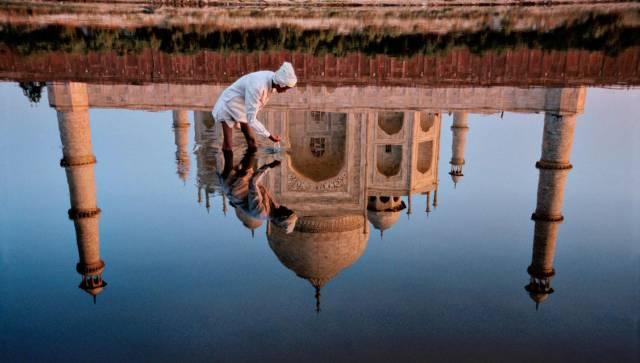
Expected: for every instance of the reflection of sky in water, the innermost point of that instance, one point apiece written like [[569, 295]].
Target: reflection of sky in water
[[184, 282]]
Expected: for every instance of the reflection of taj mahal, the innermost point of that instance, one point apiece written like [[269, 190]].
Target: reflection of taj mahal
[[341, 169], [354, 155]]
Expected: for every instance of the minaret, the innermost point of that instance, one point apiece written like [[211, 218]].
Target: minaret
[[435, 197], [428, 208], [459, 131], [206, 154], [554, 167], [78, 161], [181, 133]]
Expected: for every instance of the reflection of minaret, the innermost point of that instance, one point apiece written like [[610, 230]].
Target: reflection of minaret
[[181, 131], [78, 161], [459, 130], [206, 151], [554, 167]]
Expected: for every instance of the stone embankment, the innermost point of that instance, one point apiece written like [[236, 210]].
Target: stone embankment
[[460, 67]]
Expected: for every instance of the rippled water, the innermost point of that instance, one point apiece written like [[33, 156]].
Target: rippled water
[[460, 194]]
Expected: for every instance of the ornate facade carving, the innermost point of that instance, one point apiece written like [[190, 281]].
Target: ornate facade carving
[[335, 184]]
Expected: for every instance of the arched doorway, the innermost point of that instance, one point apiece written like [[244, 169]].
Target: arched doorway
[[318, 144]]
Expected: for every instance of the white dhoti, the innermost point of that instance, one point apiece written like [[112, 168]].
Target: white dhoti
[[233, 114]]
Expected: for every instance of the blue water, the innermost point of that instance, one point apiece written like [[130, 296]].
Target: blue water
[[184, 284]]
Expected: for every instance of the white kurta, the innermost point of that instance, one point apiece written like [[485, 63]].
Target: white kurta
[[241, 101]]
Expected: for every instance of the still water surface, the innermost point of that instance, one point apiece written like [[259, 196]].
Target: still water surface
[[447, 285], [483, 216]]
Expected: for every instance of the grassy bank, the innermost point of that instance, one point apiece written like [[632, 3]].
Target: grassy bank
[[596, 32]]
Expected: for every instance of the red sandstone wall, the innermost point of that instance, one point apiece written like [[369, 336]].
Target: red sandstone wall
[[521, 67]]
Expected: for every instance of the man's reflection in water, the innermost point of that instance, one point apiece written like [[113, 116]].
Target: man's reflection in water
[[242, 184]]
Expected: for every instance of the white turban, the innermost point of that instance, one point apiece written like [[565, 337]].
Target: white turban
[[285, 76]]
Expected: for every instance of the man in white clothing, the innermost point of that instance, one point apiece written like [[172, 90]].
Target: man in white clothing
[[238, 105]]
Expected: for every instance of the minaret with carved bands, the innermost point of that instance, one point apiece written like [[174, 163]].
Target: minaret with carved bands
[[554, 167], [78, 161], [181, 133], [459, 131]]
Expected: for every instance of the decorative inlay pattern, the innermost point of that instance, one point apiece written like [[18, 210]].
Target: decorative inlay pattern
[[335, 184], [323, 224]]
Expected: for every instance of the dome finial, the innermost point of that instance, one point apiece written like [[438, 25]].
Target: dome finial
[[317, 299]]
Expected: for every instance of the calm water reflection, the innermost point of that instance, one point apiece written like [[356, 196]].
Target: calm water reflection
[[468, 199], [349, 175]]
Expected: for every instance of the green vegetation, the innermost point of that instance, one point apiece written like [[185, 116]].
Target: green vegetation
[[594, 32]]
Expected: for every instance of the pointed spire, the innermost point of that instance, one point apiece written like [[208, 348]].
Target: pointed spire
[[199, 195], [253, 233], [206, 203], [381, 233], [537, 305], [317, 299], [409, 211], [95, 298], [501, 114]]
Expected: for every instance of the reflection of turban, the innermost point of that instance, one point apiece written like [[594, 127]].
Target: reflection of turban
[[285, 76]]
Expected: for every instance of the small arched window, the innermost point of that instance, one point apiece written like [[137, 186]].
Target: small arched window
[[390, 122]]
